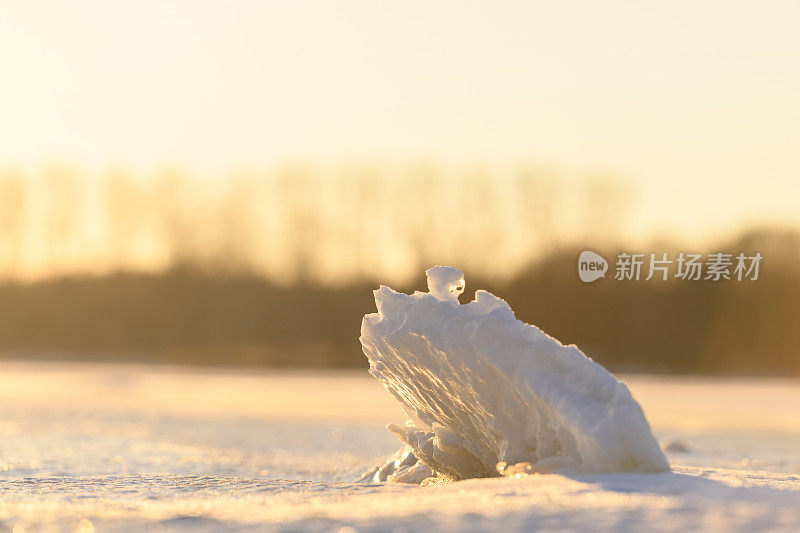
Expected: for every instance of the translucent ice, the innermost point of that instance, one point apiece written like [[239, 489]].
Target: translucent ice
[[483, 389]]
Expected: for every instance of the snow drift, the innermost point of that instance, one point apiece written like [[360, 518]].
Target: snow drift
[[487, 394]]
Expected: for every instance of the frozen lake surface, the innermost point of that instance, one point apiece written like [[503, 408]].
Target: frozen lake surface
[[126, 447]]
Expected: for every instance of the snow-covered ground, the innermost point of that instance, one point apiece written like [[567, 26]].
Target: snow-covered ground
[[126, 447]]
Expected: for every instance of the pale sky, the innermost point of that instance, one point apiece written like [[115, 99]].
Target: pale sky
[[695, 103]]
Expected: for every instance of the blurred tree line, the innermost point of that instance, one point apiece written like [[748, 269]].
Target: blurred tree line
[[298, 224], [278, 270]]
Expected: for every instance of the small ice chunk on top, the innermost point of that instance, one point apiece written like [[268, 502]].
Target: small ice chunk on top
[[445, 283]]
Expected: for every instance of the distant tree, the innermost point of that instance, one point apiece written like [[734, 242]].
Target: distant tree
[[299, 197], [606, 205], [236, 232], [125, 213], [180, 225], [13, 196], [537, 197], [62, 214]]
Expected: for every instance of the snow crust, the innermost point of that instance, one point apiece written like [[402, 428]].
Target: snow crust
[[155, 448], [489, 394]]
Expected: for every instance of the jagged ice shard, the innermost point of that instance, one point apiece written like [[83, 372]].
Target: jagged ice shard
[[488, 394]]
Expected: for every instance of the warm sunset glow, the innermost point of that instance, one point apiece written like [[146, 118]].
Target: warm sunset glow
[[695, 108]]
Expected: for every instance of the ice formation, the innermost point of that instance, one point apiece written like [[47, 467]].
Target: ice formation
[[487, 394]]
